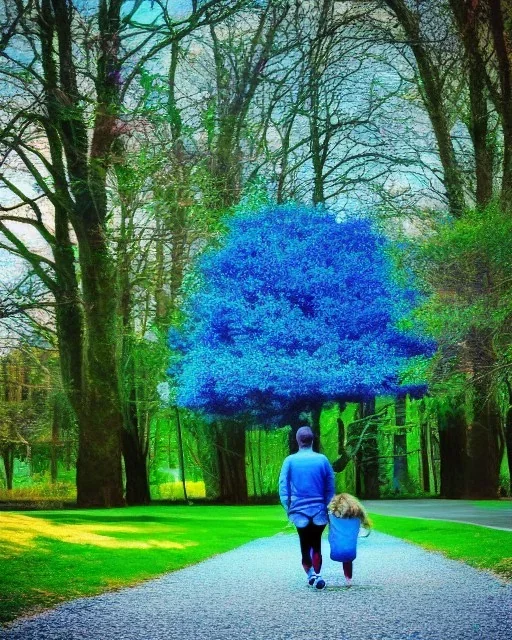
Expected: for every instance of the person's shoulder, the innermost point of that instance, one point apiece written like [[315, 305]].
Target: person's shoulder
[[321, 456], [324, 460]]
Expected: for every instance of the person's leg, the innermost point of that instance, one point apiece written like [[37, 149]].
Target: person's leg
[[316, 546], [305, 546], [347, 570]]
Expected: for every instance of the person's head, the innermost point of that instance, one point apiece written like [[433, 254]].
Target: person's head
[[304, 437], [345, 505]]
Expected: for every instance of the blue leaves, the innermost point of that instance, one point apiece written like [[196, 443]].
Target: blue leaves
[[294, 307]]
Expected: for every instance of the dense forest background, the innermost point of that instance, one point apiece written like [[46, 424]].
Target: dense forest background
[[130, 131]]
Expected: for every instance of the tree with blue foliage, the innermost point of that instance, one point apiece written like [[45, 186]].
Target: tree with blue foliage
[[294, 310]]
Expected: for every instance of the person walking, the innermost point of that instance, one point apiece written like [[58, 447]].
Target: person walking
[[306, 487]]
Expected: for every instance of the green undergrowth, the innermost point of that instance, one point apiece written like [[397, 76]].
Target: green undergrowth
[[480, 547], [51, 556]]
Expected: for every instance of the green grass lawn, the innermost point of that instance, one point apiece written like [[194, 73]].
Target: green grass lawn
[[51, 556], [47, 557], [493, 504], [478, 546]]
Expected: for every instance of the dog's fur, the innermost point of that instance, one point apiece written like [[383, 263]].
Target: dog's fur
[[344, 505]]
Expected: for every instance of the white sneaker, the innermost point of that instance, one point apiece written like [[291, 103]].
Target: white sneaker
[[319, 582], [311, 577]]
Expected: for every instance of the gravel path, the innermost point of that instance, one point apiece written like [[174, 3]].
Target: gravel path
[[259, 592]]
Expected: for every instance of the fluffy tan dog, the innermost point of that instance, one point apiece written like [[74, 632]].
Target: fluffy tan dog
[[344, 505]]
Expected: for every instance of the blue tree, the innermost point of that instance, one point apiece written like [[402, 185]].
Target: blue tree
[[295, 309]]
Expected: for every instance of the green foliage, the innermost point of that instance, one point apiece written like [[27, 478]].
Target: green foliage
[[265, 452], [467, 264]]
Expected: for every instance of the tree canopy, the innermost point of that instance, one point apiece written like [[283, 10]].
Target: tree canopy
[[296, 307]]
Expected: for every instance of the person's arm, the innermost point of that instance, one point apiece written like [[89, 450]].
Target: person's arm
[[329, 490], [284, 485]]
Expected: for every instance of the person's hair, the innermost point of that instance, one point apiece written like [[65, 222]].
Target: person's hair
[[305, 436], [344, 505]]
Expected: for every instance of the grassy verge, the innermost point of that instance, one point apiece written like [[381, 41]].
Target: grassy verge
[[51, 556], [493, 504], [479, 547]]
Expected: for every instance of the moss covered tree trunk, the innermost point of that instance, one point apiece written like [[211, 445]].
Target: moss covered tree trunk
[[86, 315], [99, 479]]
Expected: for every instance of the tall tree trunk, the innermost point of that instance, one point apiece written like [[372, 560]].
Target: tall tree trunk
[[134, 442], [230, 441], [227, 172], [7, 453], [354, 434], [99, 476], [453, 450], [135, 464], [134, 446], [344, 458], [317, 148], [424, 446], [501, 30], [181, 453], [508, 432], [431, 89], [56, 420], [207, 457], [400, 464], [466, 18], [256, 491], [316, 412], [90, 374], [484, 432], [370, 454]]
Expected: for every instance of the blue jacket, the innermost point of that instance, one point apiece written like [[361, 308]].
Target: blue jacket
[[343, 534], [306, 486]]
